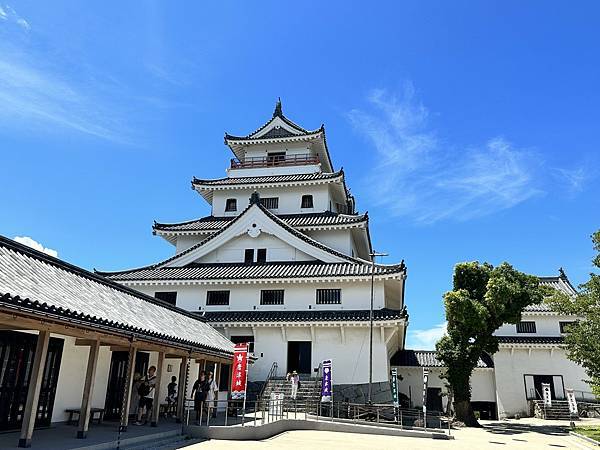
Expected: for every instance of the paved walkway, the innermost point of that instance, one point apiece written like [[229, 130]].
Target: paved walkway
[[525, 434]]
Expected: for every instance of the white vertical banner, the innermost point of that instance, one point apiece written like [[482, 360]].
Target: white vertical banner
[[425, 381], [572, 402], [546, 394]]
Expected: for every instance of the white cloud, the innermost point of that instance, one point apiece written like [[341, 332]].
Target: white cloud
[[8, 13], [573, 179], [425, 339], [26, 240], [429, 181]]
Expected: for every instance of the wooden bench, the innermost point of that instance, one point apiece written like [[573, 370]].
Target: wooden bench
[[93, 411]]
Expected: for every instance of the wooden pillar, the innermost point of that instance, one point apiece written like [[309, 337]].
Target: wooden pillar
[[181, 393], [127, 391], [88, 390], [35, 384], [156, 402]]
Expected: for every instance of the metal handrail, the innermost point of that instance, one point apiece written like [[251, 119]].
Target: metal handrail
[[274, 161], [272, 373]]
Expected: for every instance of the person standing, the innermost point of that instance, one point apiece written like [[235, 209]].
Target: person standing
[[172, 396], [199, 391], [146, 392], [211, 395], [295, 382]]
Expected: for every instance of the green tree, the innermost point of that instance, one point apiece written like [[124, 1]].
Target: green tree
[[483, 298], [582, 343]]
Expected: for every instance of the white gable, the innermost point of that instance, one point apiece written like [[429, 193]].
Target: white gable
[[251, 225], [276, 122]]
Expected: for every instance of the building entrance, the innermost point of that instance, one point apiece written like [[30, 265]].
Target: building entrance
[[299, 357], [16, 360], [117, 377]]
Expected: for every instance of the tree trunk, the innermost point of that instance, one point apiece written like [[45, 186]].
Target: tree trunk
[[464, 413]]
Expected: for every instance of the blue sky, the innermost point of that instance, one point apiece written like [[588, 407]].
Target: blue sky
[[468, 130]]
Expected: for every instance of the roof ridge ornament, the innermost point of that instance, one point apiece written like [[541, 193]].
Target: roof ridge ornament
[[278, 110], [561, 273], [255, 198]]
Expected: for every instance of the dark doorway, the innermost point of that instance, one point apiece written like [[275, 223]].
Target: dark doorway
[[299, 357], [116, 381], [434, 399], [486, 410], [16, 362], [537, 383]]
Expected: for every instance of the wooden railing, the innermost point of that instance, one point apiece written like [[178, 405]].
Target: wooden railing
[[274, 161]]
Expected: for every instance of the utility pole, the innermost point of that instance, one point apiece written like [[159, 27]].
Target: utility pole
[[373, 255]]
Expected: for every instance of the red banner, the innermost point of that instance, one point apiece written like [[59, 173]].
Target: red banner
[[240, 364]]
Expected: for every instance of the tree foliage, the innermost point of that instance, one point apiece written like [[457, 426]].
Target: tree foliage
[[582, 343], [483, 298]]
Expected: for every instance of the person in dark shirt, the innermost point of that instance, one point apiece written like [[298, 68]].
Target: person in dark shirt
[[172, 396], [199, 391]]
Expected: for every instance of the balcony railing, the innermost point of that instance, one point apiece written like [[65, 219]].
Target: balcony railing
[[274, 161]]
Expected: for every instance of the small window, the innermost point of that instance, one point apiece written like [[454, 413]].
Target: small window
[[217, 298], [564, 326], [261, 255], [270, 202], [307, 201], [249, 255], [271, 297], [169, 297], [275, 156], [329, 296], [526, 327], [244, 340], [231, 204]]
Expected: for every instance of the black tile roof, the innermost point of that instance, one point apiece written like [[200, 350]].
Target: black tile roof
[[269, 179], [561, 283], [256, 271], [36, 283], [212, 223], [310, 315], [427, 358], [531, 339]]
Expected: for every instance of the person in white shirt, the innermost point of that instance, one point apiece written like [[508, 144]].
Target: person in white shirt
[[294, 379], [211, 395], [146, 392]]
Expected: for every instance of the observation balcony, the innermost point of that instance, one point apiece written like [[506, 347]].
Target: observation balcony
[[274, 161]]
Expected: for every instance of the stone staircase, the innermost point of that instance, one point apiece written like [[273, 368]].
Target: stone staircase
[[309, 392], [558, 411]]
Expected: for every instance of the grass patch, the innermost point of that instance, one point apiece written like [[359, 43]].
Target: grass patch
[[591, 432]]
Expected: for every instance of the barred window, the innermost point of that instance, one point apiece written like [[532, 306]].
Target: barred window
[[249, 255], [526, 327], [270, 202], [169, 297], [261, 255], [329, 296], [231, 204], [217, 298], [564, 326], [271, 297], [307, 201]]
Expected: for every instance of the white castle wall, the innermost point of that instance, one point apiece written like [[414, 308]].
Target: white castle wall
[[511, 367], [298, 296], [546, 325]]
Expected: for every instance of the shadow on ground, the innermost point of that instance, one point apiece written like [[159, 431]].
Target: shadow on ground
[[513, 428]]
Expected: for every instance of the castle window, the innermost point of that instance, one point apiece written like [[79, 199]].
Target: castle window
[[270, 202], [169, 297], [271, 297], [217, 298], [307, 201], [231, 204], [564, 326], [526, 327], [249, 255], [329, 296], [261, 255]]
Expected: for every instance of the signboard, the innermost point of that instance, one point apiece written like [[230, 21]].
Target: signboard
[[240, 372], [394, 387], [425, 380], [546, 394], [326, 389], [572, 402]]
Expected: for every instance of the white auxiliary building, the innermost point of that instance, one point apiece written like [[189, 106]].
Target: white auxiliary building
[[283, 261]]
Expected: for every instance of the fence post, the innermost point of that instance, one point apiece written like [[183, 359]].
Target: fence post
[[377, 415], [401, 423], [226, 410]]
